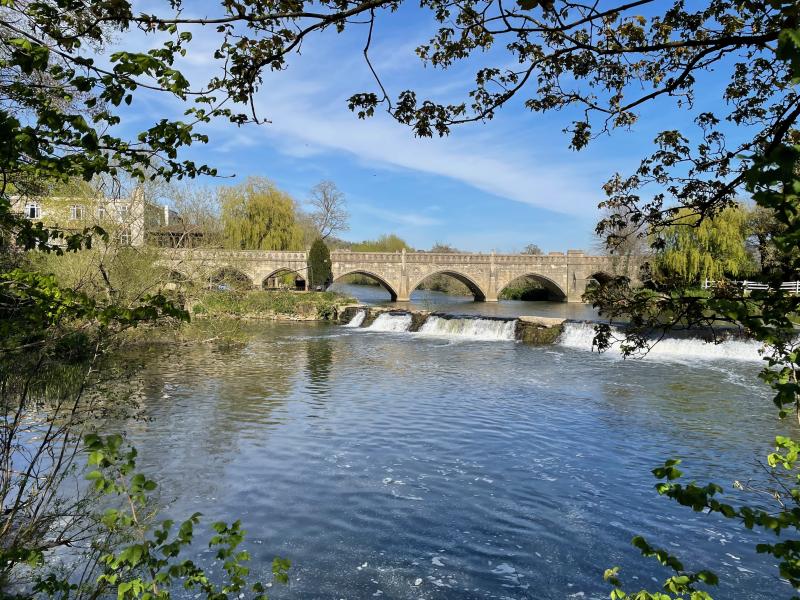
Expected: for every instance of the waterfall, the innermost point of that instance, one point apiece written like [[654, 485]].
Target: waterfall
[[580, 336], [475, 328], [391, 322], [357, 319]]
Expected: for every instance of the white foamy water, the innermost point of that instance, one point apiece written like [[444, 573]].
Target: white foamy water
[[393, 323], [476, 329], [357, 319], [580, 336]]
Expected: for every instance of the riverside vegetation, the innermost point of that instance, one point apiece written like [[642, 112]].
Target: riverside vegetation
[[281, 305]]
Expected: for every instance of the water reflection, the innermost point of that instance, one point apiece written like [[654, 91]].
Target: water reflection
[[319, 359], [441, 302]]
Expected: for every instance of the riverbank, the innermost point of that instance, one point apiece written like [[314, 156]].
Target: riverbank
[[270, 305], [224, 317]]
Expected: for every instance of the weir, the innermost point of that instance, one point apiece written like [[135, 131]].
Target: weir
[[391, 322], [578, 335], [472, 328], [529, 329]]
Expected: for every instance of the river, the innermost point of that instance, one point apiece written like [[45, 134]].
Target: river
[[397, 465], [440, 302]]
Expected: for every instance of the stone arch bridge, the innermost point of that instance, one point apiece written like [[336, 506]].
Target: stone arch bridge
[[564, 275]]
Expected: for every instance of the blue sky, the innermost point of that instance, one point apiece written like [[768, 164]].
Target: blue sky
[[494, 186]]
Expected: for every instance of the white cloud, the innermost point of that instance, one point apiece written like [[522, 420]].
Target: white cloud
[[306, 105], [494, 169]]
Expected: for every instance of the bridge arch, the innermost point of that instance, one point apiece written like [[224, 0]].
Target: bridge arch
[[472, 285], [382, 280], [266, 283], [231, 276], [601, 277], [553, 290]]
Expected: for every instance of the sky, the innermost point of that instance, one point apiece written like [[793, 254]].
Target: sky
[[499, 185]]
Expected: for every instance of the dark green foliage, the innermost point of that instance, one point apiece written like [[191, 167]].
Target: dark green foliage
[[319, 265], [526, 288]]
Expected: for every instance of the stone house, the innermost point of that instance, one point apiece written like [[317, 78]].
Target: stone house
[[127, 220]]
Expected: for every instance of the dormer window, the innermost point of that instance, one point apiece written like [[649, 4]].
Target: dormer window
[[76, 212], [33, 210]]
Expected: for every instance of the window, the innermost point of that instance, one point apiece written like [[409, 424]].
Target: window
[[122, 211], [33, 210], [101, 212], [125, 236], [76, 212]]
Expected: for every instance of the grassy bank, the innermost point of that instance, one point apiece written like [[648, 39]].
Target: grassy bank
[[274, 305]]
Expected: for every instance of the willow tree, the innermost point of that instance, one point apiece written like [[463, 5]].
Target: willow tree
[[694, 249], [256, 215]]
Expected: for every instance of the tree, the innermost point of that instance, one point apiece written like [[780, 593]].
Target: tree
[[256, 215], [199, 222], [764, 228], [319, 265], [694, 249], [532, 249], [385, 243], [308, 228], [608, 60], [329, 213], [442, 248]]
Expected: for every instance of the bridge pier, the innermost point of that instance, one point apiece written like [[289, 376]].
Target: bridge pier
[[403, 293], [490, 293]]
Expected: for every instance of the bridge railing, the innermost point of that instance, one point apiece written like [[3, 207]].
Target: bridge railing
[[220, 254], [464, 257], [792, 287]]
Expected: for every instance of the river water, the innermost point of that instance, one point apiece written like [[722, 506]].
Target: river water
[[395, 465], [438, 301]]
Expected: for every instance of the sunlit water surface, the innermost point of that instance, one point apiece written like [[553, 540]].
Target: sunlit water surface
[[394, 465]]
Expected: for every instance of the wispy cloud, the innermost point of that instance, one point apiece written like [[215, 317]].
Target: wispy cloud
[[311, 134], [306, 106]]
